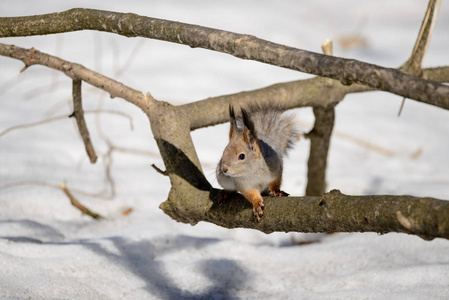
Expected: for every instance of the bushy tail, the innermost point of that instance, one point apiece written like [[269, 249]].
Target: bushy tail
[[273, 126]]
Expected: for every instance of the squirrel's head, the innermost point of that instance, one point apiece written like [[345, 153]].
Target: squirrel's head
[[243, 149]]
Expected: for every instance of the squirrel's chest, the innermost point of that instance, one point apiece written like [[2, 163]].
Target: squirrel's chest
[[260, 179]]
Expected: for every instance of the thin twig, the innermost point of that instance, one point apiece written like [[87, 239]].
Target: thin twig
[[63, 117], [77, 204], [402, 106], [107, 162], [78, 113], [159, 170], [414, 65]]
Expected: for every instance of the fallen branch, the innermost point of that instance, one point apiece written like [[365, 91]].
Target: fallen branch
[[77, 204], [348, 71], [333, 212]]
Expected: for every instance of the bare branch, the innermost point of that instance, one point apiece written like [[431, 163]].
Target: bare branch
[[332, 212], [76, 71], [310, 92], [347, 71], [316, 92], [78, 113]]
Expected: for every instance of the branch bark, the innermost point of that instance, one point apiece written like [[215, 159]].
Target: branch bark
[[319, 147], [332, 212], [347, 71]]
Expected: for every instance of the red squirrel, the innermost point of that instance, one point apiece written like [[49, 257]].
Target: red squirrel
[[252, 161]]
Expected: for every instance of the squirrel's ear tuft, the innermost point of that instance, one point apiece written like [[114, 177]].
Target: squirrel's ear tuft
[[233, 129], [249, 131], [248, 122]]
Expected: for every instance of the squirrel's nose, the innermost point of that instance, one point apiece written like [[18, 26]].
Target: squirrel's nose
[[224, 169]]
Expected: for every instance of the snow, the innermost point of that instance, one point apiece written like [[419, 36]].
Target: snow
[[48, 250]]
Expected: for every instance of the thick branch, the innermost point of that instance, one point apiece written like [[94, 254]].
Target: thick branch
[[333, 212], [310, 92], [348, 71], [315, 92], [440, 74], [78, 113], [319, 146]]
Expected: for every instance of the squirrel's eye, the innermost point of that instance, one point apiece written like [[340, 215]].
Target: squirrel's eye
[[242, 156]]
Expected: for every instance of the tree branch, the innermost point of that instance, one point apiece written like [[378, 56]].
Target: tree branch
[[78, 113], [319, 147], [347, 71], [76, 71], [333, 212], [315, 92]]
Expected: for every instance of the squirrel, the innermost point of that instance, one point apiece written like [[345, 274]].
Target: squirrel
[[252, 162]]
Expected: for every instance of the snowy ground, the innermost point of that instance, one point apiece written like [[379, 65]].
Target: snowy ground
[[48, 250]]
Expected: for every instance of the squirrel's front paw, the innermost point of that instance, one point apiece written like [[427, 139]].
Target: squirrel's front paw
[[258, 209], [277, 193]]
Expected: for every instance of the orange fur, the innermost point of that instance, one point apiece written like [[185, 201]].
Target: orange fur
[[275, 187], [253, 196]]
